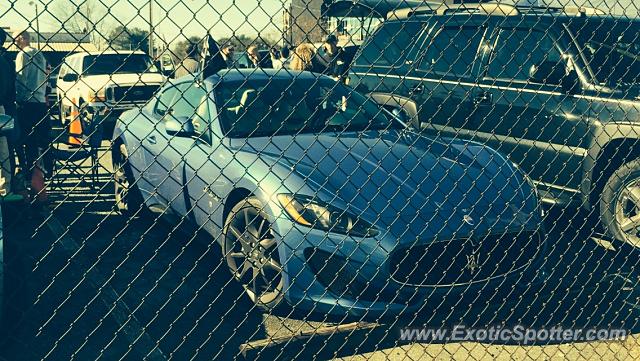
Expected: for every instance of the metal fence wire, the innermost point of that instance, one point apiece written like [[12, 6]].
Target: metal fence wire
[[308, 179]]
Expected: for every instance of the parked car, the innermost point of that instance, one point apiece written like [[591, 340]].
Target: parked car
[[327, 203], [550, 88], [106, 83]]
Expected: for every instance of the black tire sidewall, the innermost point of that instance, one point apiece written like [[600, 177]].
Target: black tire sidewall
[[133, 198]]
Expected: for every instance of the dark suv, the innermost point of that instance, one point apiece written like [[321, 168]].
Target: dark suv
[[555, 89]]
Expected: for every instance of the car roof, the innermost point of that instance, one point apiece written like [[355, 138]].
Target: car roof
[[232, 75], [107, 52]]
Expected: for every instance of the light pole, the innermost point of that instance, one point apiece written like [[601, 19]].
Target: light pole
[[33, 3], [151, 28]]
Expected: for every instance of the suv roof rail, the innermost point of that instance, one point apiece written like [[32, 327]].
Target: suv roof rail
[[495, 9], [489, 8]]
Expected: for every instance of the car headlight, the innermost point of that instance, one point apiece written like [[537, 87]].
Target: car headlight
[[306, 211]]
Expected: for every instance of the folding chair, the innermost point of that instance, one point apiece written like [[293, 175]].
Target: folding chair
[[71, 154]]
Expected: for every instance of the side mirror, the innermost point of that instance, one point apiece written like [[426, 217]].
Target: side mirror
[[401, 115], [179, 127], [70, 77], [554, 73]]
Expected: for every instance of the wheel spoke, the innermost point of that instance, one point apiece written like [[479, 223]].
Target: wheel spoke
[[630, 223], [260, 228], [273, 265], [235, 232], [267, 243], [633, 192], [256, 273], [244, 268]]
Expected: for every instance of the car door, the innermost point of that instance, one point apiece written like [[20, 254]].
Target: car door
[[164, 153], [445, 74], [538, 125], [205, 185]]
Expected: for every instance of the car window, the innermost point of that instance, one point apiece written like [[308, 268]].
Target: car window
[[190, 102], [452, 51], [76, 65], [517, 50], [165, 100], [390, 45], [64, 69], [285, 107], [188, 99]]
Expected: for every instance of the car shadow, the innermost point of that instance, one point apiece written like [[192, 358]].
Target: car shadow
[[168, 282]]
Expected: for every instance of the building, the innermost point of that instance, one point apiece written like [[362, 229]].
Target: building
[[351, 20], [303, 22], [55, 45]]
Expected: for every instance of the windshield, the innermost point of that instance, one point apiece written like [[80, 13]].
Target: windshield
[[118, 63], [613, 54], [294, 106]]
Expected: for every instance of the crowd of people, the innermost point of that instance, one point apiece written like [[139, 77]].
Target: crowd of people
[[23, 140], [326, 59]]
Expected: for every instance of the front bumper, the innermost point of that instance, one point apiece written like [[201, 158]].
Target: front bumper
[[338, 276]]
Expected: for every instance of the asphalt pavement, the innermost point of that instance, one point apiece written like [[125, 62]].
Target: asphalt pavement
[[83, 282]]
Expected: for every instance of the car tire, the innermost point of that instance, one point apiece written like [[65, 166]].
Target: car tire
[[251, 253], [620, 204], [129, 201]]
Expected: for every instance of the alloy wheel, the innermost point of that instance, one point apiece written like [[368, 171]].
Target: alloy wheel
[[627, 212], [252, 255]]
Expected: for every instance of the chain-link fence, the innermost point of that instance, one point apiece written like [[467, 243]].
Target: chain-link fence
[[308, 179]]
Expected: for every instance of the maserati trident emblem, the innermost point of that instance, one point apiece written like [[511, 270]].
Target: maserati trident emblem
[[473, 262], [468, 220]]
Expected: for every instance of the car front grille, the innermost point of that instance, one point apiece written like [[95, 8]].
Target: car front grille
[[464, 261], [136, 93]]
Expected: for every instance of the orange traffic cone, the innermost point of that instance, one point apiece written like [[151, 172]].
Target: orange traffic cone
[[75, 126]]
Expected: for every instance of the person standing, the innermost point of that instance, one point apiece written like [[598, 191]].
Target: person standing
[[303, 58], [283, 60], [329, 57], [7, 106], [227, 53], [189, 65], [31, 82]]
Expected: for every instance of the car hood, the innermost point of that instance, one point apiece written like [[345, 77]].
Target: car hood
[[392, 174], [100, 81]]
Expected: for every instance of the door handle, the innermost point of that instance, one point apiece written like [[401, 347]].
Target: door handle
[[152, 139], [483, 98], [418, 89]]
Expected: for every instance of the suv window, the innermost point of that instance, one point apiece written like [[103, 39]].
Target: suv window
[[390, 45], [76, 65], [519, 49], [452, 51], [118, 63]]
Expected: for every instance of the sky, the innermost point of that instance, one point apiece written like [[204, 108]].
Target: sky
[[176, 19], [173, 19]]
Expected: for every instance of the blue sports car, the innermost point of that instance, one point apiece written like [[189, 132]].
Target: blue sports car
[[324, 202]]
